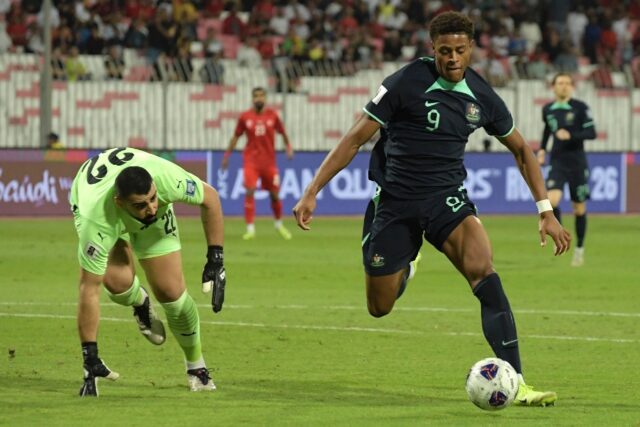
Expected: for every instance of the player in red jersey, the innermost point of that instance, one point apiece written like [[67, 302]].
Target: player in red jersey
[[260, 124]]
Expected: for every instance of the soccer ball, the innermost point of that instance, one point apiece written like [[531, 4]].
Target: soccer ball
[[492, 384]]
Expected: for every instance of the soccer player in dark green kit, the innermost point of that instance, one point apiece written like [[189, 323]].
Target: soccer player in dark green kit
[[570, 122], [425, 112]]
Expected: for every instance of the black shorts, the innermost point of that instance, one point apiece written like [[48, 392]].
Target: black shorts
[[576, 177], [393, 228]]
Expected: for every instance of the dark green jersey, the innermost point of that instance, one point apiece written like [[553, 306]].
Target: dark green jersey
[[574, 116], [426, 122]]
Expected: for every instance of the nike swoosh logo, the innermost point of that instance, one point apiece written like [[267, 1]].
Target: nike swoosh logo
[[430, 104], [188, 335], [509, 342]]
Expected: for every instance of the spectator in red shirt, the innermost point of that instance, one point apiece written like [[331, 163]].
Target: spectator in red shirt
[[17, 28], [132, 9], [213, 8], [233, 25], [263, 10], [260, 124], [265, 47], [347, 24]]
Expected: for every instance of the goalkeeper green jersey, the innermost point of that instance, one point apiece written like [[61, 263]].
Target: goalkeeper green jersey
[[100, 222]]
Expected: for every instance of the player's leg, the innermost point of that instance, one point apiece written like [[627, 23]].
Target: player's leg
[[469, 249], [555, 196], [391, 241], [250, 182], [271, 182], [123, 287], [165, 277], [579, 190]]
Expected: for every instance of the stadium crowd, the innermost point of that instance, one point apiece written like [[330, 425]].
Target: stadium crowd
[[323, 37]]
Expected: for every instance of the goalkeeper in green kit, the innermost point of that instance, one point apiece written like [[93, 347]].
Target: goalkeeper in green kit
[[122, 202]]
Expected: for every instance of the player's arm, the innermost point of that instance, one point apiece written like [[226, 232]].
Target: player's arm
[[337, 159], [240, 129], [287, 145], [587, 129], [89, 305], [212, 217], [88, 319], [285, 138], [546, 133], [213, 275], [530, 170], [232, 145]]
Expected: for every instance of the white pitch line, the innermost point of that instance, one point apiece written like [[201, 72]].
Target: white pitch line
[[363, 307], [335, 328]]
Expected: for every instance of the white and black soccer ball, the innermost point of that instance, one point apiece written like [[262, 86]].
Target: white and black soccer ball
[[492, 384]]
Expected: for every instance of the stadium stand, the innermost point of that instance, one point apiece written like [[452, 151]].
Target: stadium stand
[[188, 66]]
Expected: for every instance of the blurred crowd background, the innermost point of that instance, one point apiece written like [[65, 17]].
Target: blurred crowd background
[[514, 39]]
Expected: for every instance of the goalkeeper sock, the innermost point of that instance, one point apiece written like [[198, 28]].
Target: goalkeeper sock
[[135, 295], [557, 214], [581, 228], [90, 353], [184, 322], [497, 320]]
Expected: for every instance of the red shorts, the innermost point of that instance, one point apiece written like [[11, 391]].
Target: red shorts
[[268, 174]]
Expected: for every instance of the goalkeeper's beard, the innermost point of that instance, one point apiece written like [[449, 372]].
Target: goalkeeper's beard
[[148, 220]]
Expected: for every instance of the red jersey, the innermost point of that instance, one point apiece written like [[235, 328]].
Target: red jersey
[[260, 129]]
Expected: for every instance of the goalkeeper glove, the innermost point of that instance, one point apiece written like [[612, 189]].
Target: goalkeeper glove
[[92, 372], [214, 277]]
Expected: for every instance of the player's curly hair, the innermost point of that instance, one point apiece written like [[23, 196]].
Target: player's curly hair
[[133, 180], [451, 23]]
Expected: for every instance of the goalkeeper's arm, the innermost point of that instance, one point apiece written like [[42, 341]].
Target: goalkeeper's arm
[[213, 274]]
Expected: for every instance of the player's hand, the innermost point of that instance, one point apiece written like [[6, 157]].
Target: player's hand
[[225, 162], [289, 152], [563, 134], [541, 156], [92, 373], [303, 211], [214, 277], [549, 225]]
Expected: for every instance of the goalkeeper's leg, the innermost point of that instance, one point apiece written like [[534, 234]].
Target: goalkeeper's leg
[[165, 277], [123, 287]]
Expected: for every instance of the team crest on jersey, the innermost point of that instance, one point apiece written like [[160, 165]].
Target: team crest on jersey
[[191, 188], [473, 112], [569, 118], [377, 261], [91, 250]]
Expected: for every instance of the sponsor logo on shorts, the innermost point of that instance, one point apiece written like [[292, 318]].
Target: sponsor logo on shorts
[[91, 250], [377, 261], [191, 188]]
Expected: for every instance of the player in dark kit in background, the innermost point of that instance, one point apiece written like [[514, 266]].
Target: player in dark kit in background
[[425, 112], [570, 122]]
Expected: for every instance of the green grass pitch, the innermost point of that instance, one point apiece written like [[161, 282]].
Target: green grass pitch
[[294, 344]]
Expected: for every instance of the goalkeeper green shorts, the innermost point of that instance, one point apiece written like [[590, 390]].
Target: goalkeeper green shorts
[[96, 240]]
